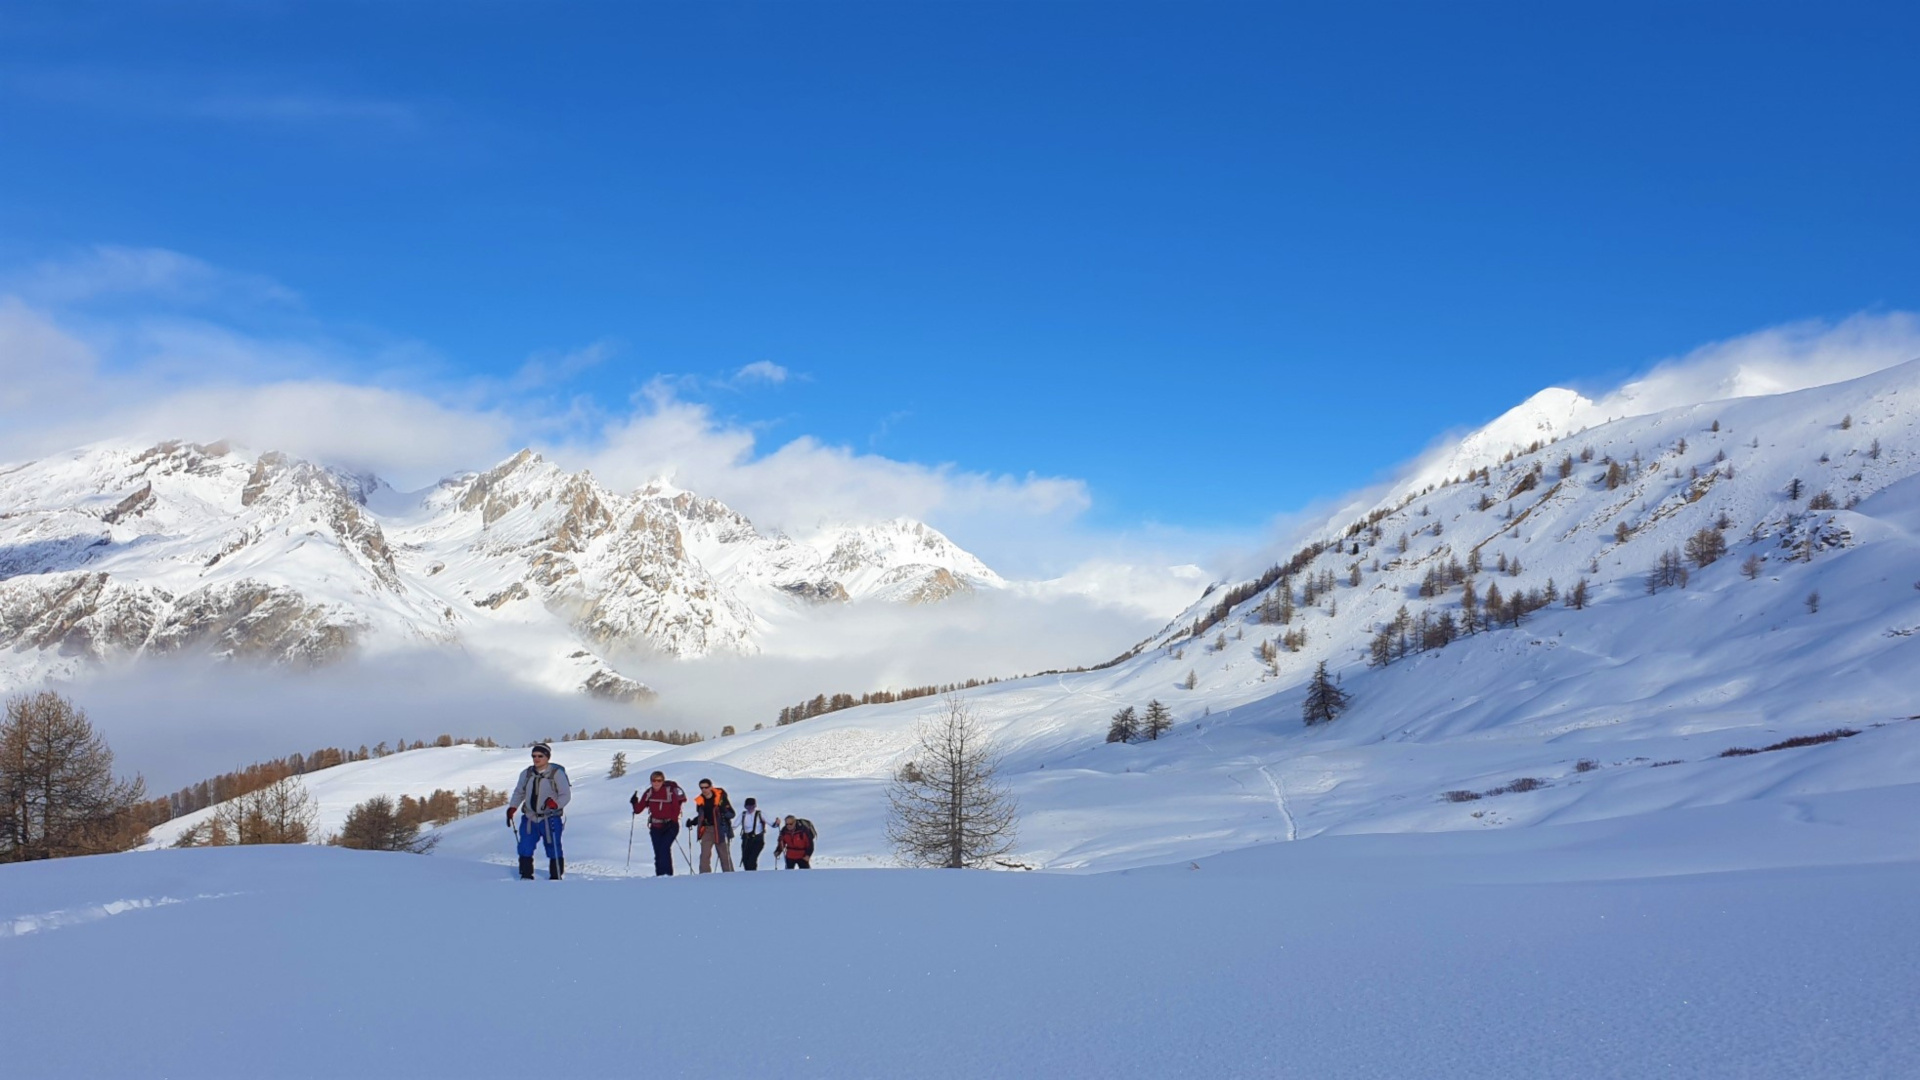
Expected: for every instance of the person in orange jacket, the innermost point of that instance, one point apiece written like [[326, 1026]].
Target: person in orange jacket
[[713, 815]]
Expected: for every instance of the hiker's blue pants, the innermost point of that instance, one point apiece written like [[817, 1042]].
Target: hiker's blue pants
[[546, 831]]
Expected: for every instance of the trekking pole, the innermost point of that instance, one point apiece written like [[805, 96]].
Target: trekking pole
[[630, 818]]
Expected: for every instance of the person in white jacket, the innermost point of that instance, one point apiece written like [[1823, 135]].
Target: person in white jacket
[[541, 795], [753, 835]]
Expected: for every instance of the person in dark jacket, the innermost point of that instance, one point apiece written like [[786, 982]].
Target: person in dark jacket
[[714, 816], [542, 793], [753, 835], [661, 802], [796, 844]]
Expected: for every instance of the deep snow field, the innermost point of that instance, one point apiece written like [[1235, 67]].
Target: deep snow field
[[1770, 938], [1244, 897]]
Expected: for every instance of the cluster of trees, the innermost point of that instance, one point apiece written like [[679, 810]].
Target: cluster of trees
[[1129, 726], [671, 738], [947, 807], [1314, 586], [58, 792], [384, 824], [821, 704], [1239, 594], [1407, 633], [1276, 608], [1291, 641], [231, 785], [280, 813], [379, 825]]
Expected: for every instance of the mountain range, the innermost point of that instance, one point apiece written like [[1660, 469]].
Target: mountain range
[[115, 551]]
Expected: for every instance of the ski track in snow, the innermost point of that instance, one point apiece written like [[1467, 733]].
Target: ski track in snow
[[15, 926], [1280, 800]]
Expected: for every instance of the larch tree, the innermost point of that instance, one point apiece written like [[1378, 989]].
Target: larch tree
[[1157, 722], [1577, 599], [1325, 701], [951, 809], [58, 794], [1125, 726], [1705, 547]]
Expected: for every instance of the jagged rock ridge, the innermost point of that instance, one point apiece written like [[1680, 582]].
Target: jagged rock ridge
[[115, 550]]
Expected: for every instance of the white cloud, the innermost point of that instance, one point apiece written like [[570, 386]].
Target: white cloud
[[804, 482], [1777, 360], [105, 271], [553, 367], [200, 383], [761, 371]]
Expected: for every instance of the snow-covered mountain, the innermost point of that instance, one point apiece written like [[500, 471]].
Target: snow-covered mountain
[[1598, 818], [111, 551], [1628, 704]]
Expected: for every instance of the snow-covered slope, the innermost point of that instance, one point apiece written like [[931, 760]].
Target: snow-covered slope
[[1592, 844], [113, 551], [1647, 691], [1772, 939]]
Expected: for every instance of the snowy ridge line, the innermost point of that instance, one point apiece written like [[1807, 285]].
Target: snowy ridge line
[[117, 550]]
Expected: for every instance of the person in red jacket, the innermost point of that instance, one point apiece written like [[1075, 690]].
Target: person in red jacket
[[796, 844], [661, 802]]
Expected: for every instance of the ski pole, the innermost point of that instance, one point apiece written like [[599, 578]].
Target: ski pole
[[630, 818]]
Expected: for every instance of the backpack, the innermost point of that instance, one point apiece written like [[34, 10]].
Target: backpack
[[726, 805], [804, 824]]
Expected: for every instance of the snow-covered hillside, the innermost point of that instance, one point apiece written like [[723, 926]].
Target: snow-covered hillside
[[113, 551], [1669, 833], [1620, 708]]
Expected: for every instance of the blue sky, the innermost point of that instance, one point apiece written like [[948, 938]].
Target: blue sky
[[1212, 261]]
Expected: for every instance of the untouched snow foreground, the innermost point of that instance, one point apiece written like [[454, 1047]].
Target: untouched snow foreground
[[1599, 842], [1770, 938]]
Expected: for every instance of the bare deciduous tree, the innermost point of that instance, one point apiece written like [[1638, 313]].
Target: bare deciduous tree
[[280, 813], [58, 794], [950, 809]]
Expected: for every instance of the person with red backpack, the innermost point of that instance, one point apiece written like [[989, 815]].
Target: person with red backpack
[[795, 843], [662, 803], [713, 814]]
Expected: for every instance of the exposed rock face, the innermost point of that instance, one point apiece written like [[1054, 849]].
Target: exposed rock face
[[612, 687], [92, 616], [614, 568], [112, 551], [921, 584]]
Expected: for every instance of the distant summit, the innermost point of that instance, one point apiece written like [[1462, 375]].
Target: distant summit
[[118, 550]]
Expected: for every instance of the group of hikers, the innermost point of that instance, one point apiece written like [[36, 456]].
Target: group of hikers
[[543, 791]]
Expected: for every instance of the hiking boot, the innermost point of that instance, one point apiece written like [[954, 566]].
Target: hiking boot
[[556, 867], [526, 868]]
